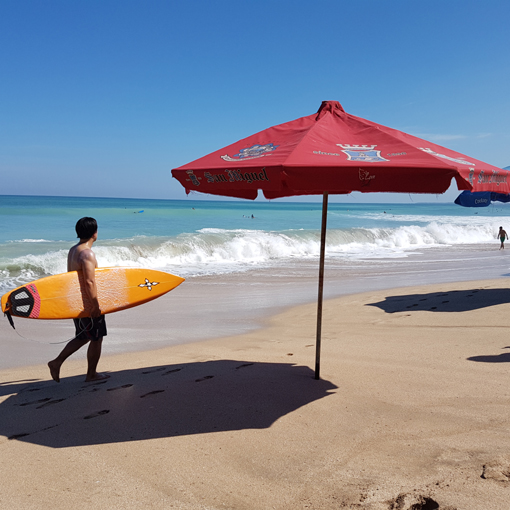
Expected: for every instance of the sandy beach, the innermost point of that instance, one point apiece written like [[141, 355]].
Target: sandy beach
[[411, 412]]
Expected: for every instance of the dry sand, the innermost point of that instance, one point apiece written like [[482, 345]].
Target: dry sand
[[412, 413]]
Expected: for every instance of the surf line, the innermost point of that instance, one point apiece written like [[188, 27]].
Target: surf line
[[237, 175]]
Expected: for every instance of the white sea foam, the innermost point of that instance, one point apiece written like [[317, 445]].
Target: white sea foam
[[470, 220], [31, 241]]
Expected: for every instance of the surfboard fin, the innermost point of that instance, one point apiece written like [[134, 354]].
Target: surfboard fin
[[9, 317]]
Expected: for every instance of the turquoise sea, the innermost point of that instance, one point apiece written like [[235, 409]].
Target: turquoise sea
[[196, 238]]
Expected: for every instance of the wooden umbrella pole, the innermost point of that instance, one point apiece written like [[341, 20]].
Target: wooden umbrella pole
[[321, 285]]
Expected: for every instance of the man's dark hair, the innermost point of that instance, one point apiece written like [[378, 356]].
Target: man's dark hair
[[86, 227]]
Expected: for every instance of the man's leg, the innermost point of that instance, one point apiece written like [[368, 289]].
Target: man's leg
[[69, 349], [93, 355]]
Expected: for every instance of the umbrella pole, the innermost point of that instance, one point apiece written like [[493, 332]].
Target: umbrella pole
[[321, 285]]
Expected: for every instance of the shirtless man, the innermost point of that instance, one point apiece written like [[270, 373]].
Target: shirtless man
[[502, 237], [91, 329]]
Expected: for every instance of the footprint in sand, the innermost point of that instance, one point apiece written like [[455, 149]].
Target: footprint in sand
[[244, 365], [413, 502], [50, 403], [120, 387], [172, 371], [498, 470], [155, 370], [204, 378], [35, 402], [95, 415], [152, 393]]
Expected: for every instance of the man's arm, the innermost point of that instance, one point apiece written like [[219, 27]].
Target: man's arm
[[88, 266]]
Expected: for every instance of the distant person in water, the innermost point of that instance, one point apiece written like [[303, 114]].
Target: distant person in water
[[502, 237], [89, 330]]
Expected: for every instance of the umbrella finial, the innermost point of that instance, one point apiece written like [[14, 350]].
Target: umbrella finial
[[329, 106]]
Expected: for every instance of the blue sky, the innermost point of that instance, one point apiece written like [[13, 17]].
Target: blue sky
[[105, 97]]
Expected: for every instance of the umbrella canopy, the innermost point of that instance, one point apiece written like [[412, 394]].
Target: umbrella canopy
[[335, 152], [332, 151]]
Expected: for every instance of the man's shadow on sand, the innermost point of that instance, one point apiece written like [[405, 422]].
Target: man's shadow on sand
[[450, 301], [155, 402]]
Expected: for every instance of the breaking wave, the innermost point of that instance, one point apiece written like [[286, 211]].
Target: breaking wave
[[219, 251]]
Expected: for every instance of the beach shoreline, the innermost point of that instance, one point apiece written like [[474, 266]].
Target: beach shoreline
[[412, 409], [216, 306]]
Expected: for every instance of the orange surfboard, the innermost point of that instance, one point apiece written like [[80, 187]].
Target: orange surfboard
[[60, 296]]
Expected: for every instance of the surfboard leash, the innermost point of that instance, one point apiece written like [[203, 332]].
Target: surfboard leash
[[78, 334], [9, 318], [11, 322]]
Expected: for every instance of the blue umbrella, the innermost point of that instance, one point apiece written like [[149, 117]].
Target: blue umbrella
[[480, 198]]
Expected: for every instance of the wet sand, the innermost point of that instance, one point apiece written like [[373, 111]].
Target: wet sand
[[411, 412]]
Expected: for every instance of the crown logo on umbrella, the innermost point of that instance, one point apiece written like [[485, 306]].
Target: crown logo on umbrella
[[365, 153]]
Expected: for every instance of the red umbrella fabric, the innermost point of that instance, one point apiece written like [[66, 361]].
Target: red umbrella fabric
[[335, 152]]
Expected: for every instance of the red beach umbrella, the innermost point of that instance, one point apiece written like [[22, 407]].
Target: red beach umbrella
[[334, 152]]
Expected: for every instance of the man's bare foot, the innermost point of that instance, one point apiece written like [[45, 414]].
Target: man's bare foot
[[54, 370], [97, 377]]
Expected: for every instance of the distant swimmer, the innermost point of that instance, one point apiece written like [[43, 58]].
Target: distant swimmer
[[252, 216], [502, 237]]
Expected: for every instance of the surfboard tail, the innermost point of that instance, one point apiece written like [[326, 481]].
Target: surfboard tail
[[23, 302]]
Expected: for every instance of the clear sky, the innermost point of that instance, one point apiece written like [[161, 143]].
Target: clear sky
[[105, 97]]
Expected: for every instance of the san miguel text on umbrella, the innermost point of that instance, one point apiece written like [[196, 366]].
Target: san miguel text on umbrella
[[249, 177], [236, 176], [495, 178], [231, 176]]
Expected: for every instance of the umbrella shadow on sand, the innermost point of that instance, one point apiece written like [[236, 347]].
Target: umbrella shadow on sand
[[448, 301], [155, 402], [497, 358], [451, 301]]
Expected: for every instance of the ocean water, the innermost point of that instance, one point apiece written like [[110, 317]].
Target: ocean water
[[197, 238]]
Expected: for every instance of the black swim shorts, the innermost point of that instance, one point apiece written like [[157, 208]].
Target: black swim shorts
[[90, 329]]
